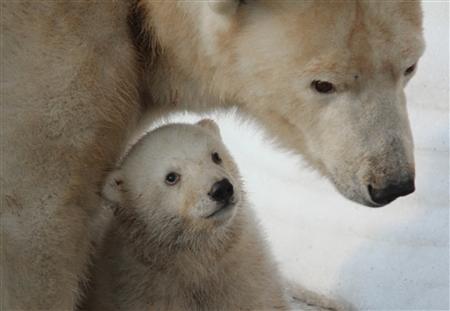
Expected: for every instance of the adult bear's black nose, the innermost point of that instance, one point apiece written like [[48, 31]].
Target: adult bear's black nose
[[391, 192], [221, 191]]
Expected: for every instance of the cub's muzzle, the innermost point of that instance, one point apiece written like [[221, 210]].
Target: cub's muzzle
[[221, 191]]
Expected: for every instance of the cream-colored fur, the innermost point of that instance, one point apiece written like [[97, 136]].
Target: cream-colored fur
[[68, 99], [264, 56], [168, 248], [72, 74]]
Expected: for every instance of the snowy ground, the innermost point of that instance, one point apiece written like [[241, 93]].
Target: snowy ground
[[394, 258]]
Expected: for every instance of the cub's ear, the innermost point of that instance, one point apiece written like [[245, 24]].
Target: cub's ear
[[211, 126], [113, 187], [224, 7]]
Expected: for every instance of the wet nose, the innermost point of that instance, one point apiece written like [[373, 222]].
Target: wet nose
[[221, 191], [391, 192]]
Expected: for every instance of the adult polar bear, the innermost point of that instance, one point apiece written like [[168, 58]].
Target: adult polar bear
[[326, 78]]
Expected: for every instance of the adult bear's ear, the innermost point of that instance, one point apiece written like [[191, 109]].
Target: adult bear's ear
[[211, 126], [113, 187], [224, 7]]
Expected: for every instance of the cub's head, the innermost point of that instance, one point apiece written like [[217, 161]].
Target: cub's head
[[180, 177], [326, 78]]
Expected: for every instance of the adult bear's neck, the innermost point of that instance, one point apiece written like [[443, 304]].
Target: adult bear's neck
[[170, 88], [175, 76]]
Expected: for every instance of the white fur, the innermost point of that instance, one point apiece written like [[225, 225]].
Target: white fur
[[73, 87], [163, 250]]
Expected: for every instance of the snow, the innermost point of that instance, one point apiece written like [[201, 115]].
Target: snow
[[393, 258]]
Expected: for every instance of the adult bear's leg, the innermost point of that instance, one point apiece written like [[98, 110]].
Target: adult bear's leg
[[68, 99]]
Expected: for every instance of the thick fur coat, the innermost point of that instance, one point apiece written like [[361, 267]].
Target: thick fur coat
[[325, 78], [173, 247]]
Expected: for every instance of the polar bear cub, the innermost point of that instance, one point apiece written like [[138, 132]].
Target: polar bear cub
[[183, 236]]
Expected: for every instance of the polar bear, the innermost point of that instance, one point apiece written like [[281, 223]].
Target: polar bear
[[325, 78], [183, 235]]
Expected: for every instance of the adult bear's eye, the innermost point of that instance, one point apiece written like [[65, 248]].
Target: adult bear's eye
[[172, 178], [410, 70], [216, 158], [323, 87]]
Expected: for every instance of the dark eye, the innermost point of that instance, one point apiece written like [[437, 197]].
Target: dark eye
[[323, 87], [172, 178], [216, 158], [410, 70]]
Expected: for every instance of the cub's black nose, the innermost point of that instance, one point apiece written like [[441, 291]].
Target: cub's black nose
[[391, 192], [221, 191]]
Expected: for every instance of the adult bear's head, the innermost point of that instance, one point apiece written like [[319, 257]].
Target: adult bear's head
[[326, 78]]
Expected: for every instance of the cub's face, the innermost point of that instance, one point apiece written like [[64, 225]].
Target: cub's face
[[182, 173]]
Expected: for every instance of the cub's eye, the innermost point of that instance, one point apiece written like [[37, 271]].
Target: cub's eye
[[410, 70], [323, 87], [216, 158], [172, 178]]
